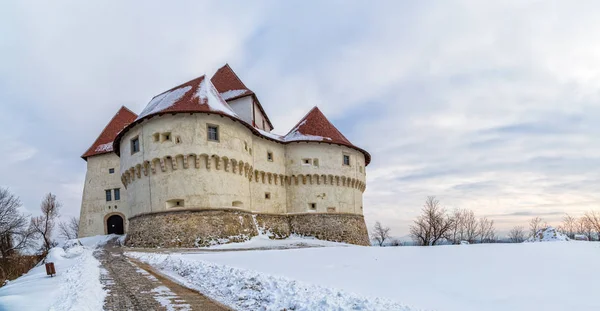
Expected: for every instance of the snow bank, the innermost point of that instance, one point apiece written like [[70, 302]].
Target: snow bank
[[548, 235], [249, 290], [264, 242], [491, 277], [76, 286]]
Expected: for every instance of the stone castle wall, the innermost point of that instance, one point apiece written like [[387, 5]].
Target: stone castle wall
[[203, 227]]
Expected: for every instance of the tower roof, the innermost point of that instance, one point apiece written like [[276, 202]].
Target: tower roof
[[198, 95], [231, 87], [316, 127], [104, 142]]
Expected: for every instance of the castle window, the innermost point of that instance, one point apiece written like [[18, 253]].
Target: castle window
[[135, 145], [111, 170], [306, 161], [270, 156], [178, 140], [346, 159], [175, 203], [246, 146], [108, 195], [117, 194], [213, 132], [312, 206], [267, 195], [316, 162], [115, 207], [165, 137], [331, 210], [237, 204], [156, 137]]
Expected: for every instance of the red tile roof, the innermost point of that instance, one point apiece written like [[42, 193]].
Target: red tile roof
[[227, 83], [198, 95], [316, 127], [104, 142]]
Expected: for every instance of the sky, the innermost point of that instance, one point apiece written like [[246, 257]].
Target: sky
[[490, 106]]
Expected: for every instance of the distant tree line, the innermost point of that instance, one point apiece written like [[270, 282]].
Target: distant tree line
[[24, 240]]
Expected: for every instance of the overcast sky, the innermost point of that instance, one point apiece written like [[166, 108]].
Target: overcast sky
[[492, 107]]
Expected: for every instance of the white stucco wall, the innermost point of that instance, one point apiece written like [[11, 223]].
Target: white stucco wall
[[243, 108], [202, 187], [94, 207]]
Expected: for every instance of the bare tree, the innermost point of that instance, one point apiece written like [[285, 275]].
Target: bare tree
[[68, 229], [593, 222], [568, 226], [584, 227], [535, 225], [486, 230], [15, 230], [380, 233], [457, 231], [471, 227], [44, 224], [517, 234], [432, 225]]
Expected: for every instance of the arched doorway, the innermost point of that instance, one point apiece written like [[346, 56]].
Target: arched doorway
[[114, 225]]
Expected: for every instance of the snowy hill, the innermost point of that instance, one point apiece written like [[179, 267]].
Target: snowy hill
[[548, 235]]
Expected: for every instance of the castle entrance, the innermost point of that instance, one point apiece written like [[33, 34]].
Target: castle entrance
[[114, 225]]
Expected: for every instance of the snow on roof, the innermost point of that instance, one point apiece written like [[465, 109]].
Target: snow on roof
[[233, 94], [315, 126], [104, 142], [164, 101], [208, 95]]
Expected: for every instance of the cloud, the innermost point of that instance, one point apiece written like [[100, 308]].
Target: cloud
[[489, 106]]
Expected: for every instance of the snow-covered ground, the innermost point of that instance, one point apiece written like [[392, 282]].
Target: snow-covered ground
[[262, 241], [528, 276], [76, 286]]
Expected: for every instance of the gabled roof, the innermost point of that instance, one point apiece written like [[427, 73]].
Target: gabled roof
[[231, 87], [104, 142]]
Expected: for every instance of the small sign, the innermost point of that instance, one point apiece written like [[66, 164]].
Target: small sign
[[50, 269]]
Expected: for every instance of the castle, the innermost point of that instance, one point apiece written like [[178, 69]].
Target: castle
[[199, 165]]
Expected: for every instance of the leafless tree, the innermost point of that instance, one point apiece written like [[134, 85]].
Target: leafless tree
[[593, 221], [380, 233], [44, 224], [433, 225], [535, 225], [15, 230], [486, 230], [68, 229], [517, 234], [471, 227], [568, 226], [457, 231], [584, 227]]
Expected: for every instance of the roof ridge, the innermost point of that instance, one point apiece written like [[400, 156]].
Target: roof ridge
[[91, 150], [302, 119], [180, 85]]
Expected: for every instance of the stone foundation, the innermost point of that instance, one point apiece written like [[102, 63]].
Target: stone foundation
[[203, 227]]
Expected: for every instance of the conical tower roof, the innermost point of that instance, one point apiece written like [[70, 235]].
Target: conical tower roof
[[104, 142], [316, 127]]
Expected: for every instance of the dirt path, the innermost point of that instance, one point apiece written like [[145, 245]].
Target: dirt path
[[133, 285]]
